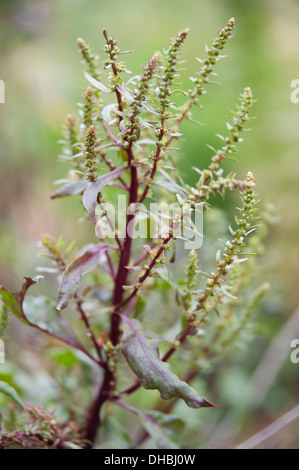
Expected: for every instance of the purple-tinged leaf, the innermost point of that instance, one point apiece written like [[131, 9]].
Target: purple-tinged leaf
[[46, 269], [70, 189], [119, 113], [131, 80], [90, 194], [41, 311], [150, 109], [106, 111], [145, 142], [81, 265], [175, 134], [142, 355], [96, 83], [38, 312], [175, 187], [180, 200], [169, 186], [14, 300], [134, 268], [125, 93], [145, 124], [125, 52]]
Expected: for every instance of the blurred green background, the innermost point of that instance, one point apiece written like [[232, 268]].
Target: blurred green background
[[43, 78]]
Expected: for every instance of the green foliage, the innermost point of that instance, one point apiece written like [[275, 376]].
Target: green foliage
[[42, 431], [11, 393], [129, 127]]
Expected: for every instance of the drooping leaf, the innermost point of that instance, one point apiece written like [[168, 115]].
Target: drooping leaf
[[77, 268], [70, 189], [38, 312], [142, 355], [42, 312], [90, 194], [11, 393], [96, 83], [14, 300]]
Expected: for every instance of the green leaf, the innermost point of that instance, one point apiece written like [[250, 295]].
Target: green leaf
[[128, 288], [166, 420], [170, 426], [156, 432], [11, 393], [90, 194], [3, 320], [69, 248], [81, 265], [142, 355]]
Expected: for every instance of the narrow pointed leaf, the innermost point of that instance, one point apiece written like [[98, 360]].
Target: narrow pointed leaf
[[72, 275], [70, 189], [96, 83], [107, 110], [176, 188], [150, 109], [125, 93], [142, 355], [90, 194]]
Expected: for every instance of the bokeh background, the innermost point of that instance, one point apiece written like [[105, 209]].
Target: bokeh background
[[43, 78]]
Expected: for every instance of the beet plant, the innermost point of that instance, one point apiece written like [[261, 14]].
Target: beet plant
[[144, 288]]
